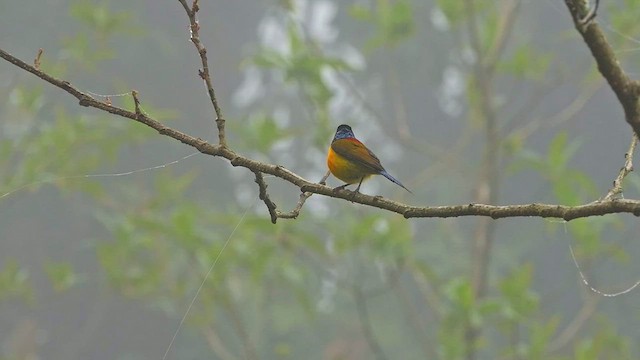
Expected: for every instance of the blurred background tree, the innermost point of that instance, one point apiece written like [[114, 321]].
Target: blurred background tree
[[465, 101]]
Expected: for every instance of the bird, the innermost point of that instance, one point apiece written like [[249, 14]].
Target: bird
[[352, 162]]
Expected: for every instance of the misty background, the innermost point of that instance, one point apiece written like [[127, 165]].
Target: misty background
[[104, 267]]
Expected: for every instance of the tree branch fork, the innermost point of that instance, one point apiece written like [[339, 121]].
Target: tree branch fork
[[607, 205]]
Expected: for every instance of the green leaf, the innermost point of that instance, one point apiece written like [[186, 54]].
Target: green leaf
[[453, 10], [556, 155], [516, 291], [541, 334], [393, 22], [99, 17], [62, 276], [15, 283], [460, 292], [360, 12], [526, 63]]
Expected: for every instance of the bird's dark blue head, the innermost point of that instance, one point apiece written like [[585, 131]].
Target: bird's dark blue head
[[343, 132]]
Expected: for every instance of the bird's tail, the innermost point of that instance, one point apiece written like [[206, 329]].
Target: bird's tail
[[394, 180]]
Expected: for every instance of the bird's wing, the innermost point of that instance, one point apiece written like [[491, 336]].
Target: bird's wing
[[355, 151]]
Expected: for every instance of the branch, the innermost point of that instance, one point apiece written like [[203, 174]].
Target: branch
[[264, 196], [303, 198], [365, 323], [250, 351], [565, 336], [271, 206], [505, 26], [626, 90], [624, 171], [36, 61], [204, 72], [494, 211], [216, 344]]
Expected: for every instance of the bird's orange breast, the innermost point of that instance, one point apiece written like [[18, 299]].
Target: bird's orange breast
[[344, 169]]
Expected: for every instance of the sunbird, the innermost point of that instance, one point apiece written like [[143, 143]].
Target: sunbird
[[352, 162]]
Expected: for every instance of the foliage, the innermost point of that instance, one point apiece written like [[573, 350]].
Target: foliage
[[392, 21]]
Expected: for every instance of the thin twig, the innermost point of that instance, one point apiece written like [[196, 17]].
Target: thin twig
[[216, 344], [365, 323], [250, 351], [565, 336], [504, 31], [414, 315], [271, 206], [136, 102], [303, 198], [567, 113], [36, 61], [264, 196], [204, 72], [616, 190]]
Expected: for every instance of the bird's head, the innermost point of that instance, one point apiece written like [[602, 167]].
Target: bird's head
[[343, 132]]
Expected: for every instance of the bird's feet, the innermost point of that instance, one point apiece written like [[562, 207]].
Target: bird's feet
[[344, 187], [341, 187]]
